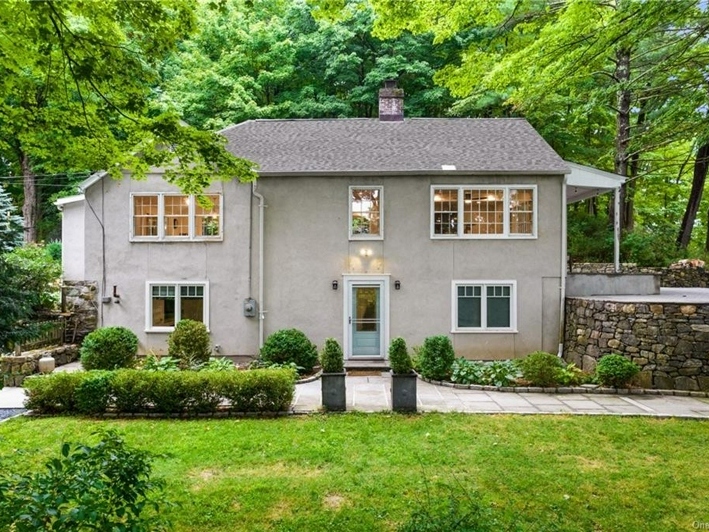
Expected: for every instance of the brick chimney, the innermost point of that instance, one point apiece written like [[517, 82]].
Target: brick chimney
[[391, 102]]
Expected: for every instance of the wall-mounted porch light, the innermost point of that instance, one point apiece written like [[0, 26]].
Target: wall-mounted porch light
[[365, 252], [397, 285], [335, 284]]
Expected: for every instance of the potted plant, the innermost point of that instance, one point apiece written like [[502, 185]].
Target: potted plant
[[403, 377], [334, 396]]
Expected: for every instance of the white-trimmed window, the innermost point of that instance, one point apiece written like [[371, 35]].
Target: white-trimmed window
[[175, 217], [492, 211], [484, 306], [366, 221], [168, 303]]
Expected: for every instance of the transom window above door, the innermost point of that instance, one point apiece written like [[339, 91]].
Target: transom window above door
[[366, 213], [170, 217], [484, 212]]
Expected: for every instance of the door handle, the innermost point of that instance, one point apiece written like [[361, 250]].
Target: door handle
[[350, 320]]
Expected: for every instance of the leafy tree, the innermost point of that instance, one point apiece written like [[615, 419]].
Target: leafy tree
[[16, 304], [78, 89]]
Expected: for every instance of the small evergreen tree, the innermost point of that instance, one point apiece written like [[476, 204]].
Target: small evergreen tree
[[10, 223]]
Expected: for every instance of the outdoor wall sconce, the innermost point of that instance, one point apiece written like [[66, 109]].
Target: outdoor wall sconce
[[116, 297], [365, 252], [335, 284], [397, 285]]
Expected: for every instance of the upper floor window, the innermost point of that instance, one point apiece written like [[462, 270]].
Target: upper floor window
[[483, 212], [175, 217], [366, 213]]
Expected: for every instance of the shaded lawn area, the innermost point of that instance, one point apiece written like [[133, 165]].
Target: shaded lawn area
[[370, 471]]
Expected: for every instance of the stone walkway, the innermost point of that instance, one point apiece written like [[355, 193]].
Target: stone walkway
[[372, 394]]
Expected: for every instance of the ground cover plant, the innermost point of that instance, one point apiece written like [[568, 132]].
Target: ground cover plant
[[374, 472]]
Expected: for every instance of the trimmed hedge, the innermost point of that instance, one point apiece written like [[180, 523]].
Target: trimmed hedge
[[178, 392]]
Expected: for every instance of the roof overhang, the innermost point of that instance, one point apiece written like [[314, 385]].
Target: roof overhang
[[61, 202], [586, 182]]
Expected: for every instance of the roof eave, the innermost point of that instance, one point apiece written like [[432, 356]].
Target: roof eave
[[408, 173]]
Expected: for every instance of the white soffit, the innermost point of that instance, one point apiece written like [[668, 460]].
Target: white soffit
[[586, 182], [69, 199]]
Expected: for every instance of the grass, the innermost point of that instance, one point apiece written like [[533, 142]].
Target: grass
[[369, 472]]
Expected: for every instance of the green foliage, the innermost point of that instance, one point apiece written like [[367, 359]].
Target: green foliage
[[54, 250], [37, 272], [290, 345], [616, 370], [106, 486], [16, 308], [651, 245], [572, 375], [162, 392], [218, 364], [93, 392], [160, 363], [493, 373], [189, 343], [10, 223], [399, 358], [457, 510], [109, 348], [541, 369], [436, 358], [332, 358]]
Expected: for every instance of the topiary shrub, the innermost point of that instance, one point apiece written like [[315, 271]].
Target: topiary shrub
[[436, 358], [332, 359], [189, 343], [109, 348], [541, 369], [616, 370], [290, 345], [399, 359]]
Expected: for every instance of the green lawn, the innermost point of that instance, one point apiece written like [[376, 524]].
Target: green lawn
[[368, 472]]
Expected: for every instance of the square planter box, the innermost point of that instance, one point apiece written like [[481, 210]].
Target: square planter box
[[403, 392], [334, 393]]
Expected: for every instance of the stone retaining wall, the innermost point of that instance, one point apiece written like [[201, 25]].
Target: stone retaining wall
[[669, 341], [14, 369], [681, 276], [80, 298]]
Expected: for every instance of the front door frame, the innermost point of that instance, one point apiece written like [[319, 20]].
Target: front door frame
[[350, 281]]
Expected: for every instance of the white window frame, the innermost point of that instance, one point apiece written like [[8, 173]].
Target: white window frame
[[353, 236], [483, 310], [149, 303], [192, 216], [505, 235]]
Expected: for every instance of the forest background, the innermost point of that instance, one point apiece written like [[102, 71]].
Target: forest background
[[621, 85]]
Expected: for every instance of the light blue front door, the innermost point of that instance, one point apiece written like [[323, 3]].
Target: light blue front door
[[366, 321]]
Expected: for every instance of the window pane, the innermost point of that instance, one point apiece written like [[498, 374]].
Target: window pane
[[365, 204], [192, 302], [177, 215], [145, 215], [445, 212], [469, 307], [498, 306], [522, 211], [207, 219], [483, 212], [163, 306]]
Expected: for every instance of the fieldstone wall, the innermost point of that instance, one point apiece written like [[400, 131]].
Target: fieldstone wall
[[14, 369], [681, 275], [670, 342], [80, 299]]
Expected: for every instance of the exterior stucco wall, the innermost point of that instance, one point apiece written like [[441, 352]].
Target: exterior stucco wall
[[307, 247], [129, 265], [73, 241]]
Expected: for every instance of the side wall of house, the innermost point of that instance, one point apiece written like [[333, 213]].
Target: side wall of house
[[114, 261], [307, 248], [73, 241]]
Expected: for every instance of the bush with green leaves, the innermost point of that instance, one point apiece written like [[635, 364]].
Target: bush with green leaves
[[109, 348], [436, 358], [54, 393], [399, 358], [290, 345], [160, 363], [541, 369], [39, 273], [189, 343], [93, 393], [492, 373], [106, 486], [616, 370], [332, 359]]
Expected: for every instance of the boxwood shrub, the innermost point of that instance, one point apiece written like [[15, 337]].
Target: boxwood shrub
[[178, 392], [109, 348], [616, 370], [541, 369], [290, 345], [436, 358]]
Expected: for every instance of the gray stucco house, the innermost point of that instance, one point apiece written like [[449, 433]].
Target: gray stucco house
[[357, 229]]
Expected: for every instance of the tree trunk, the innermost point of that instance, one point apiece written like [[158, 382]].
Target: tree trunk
[[622, 134], [30, 207], [695, 196]]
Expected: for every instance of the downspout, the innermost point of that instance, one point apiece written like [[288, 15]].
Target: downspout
[[562, 304], [261, 312], [616, 229]]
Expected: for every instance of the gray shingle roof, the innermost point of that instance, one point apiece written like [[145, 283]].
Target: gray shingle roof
[[416, 145]]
